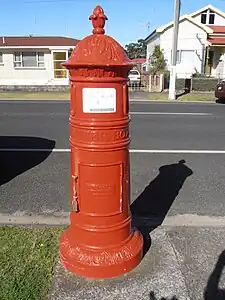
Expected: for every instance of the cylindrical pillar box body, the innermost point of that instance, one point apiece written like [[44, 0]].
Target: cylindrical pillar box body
[[100, 242]]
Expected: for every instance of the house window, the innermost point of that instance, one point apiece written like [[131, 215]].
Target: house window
[[29, 60], [184, 57], [211, 18], [203, 18], [60, 72], [178, 56], [1, 58], [208, 17], [70, 53], [187, 57]]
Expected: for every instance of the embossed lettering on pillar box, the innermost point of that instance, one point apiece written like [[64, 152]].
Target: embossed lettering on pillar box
[[102, 136], [101, 192]]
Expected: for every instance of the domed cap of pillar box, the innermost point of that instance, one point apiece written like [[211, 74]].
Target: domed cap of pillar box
[[98, 49]]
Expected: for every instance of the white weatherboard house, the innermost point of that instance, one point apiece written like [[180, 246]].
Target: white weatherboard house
[[201, 43], [34, 60]]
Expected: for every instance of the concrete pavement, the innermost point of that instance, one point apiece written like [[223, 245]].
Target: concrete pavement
[[182, 264]]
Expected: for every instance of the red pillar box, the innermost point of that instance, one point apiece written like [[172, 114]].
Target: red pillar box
[[100, 242]]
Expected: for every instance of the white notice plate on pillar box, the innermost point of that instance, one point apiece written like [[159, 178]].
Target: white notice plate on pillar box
[[99, 100]]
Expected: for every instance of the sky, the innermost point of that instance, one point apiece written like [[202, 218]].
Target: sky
[[128, 20]]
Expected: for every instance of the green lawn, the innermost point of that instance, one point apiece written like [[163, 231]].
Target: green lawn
[[208, 96], [27, 259], [38, 95]]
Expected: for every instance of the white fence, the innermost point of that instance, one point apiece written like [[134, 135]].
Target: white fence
[[149, 83]]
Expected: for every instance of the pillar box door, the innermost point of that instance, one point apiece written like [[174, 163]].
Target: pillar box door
[[100, 242]]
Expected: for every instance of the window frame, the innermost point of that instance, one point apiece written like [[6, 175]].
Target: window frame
[[40, 64], [185, 51], [60, 61], [179, 55], [204, 14], [208, 13], [178, 61], [1, 59]]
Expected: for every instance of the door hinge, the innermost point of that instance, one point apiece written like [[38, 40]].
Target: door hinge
[[75, 196]]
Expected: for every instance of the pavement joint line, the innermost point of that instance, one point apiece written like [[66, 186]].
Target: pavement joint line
[[143, 101], [138, 151], [177, 151], [59, 219], [148, 101], [4, 114], [170, 113]]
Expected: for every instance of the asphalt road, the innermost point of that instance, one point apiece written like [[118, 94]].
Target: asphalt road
[[38, 182]]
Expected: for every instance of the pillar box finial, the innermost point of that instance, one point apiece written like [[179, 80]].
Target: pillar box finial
[[98, 20]]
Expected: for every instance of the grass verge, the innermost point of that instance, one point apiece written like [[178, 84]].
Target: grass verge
[[207, 96], [36, 96], [27, 260]]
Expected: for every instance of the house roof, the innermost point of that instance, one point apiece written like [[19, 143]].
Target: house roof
[[153, 33], [216, 10], [37, 41], [190, 19], [139, 60], [217, 40], [217, 29]]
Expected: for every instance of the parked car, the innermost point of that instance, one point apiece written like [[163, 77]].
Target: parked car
[[134, 77], [220, 90]]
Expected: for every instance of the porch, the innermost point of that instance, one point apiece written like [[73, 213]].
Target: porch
[[214, 62]]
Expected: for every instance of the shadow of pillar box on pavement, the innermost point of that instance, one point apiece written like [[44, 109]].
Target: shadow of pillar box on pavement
[[152, 205], [19, 154]]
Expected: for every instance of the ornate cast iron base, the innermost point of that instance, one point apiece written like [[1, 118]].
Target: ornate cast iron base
[[100, 263]]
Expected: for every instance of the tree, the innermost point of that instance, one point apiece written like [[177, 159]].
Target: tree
[[136, 50], [157, 62]]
